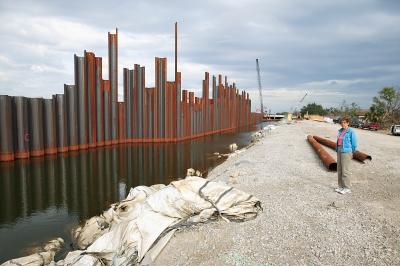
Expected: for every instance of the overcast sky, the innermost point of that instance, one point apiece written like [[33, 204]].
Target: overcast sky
[[336, 50]]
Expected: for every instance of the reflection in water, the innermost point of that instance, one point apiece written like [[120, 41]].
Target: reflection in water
[[42, 198]]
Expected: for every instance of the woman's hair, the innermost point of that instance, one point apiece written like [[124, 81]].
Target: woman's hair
[[345, 119]]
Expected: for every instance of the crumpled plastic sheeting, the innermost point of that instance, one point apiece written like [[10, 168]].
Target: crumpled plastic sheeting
[[148, 215], [44, 257], [98, 225], [135, 230]]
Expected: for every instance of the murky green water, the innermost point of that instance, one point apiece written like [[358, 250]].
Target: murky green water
[[44, 198]]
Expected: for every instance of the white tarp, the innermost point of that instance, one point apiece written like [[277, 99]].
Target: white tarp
[[135, 230], [328, 120], [44, 257], [149, 215]]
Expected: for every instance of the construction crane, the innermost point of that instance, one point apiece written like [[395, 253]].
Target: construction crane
[[259, 87], [301, 100]]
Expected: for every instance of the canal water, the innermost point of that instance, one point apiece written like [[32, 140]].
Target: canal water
[[44, 198]]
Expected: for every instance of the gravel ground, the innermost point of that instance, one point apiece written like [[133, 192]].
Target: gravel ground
[[304, 221]]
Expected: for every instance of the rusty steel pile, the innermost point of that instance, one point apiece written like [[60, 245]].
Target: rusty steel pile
[[89, 115]]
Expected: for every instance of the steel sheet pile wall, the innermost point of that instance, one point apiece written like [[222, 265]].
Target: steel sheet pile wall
[[90, 72], [49, 126], [72, 116], [139, 87], [89, 115], [36, 138], [121, 123], [61, 123], [113, 77], [99, 102], [81, 86], [6, 136], [107, 112], [20, 127]]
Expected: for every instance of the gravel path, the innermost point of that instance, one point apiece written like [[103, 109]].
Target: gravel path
[[304, 221]]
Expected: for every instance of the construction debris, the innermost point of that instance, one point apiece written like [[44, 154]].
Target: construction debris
[[262, 133], [192, 172], [233, 147]]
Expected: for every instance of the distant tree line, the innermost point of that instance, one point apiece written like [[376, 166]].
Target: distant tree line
[[313, 109], [385, 108], [345, 109]]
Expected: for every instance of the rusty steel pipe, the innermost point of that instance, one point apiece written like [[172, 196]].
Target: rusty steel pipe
[[329, 143], [326, 158], [360, 156], [357, 155]]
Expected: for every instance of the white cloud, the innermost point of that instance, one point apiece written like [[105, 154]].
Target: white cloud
[[3, 77], [5, 60], [50, 32], [335, 83], [334, 49]]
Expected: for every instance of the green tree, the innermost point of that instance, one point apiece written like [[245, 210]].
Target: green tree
[[349, 110], [385, 106], [333, 111], [344, 109], [353, 109], [313, 109], [375, 113]]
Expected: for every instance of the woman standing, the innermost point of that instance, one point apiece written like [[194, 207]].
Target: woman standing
[[345, 146]]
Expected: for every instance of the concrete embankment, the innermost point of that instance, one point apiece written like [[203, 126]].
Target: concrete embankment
[[304, 221]]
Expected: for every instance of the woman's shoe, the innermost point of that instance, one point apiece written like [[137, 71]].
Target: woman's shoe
[[345, 190], [339, 189]]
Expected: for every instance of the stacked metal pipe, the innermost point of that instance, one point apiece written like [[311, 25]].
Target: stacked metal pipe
[[326, 158], [357, 155]]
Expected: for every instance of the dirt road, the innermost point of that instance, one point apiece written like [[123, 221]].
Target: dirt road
[[304, 221]]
